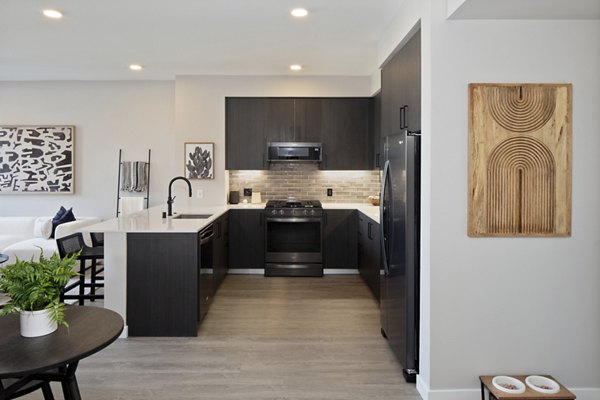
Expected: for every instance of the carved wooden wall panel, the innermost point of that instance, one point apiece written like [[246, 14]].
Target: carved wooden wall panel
[[519, 160]]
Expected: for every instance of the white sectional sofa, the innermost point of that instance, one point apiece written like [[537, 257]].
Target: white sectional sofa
[[21, 236]]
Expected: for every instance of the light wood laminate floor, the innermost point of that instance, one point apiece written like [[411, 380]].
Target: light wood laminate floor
[[263, 339]]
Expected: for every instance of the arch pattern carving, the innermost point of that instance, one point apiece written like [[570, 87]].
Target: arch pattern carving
[[521, 108], [521, 187]]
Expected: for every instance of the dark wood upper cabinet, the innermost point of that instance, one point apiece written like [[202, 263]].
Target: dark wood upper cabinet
[[346, 126], [307, 118], [251, 122], [413, 86], [376, 141], [343, 125], [401, 89]]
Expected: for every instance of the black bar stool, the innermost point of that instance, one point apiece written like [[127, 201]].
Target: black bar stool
[[72, 244], [98, 243], [97, 239]]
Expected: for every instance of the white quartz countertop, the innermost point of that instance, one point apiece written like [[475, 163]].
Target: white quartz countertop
[[151, 221], [367, 209]]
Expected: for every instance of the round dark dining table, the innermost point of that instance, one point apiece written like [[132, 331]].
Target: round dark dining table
[[26, 362]]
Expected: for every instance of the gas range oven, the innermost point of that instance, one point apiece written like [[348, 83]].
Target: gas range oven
[[293, 238]]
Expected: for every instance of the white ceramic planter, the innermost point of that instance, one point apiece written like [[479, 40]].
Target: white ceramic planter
[[36, 323]]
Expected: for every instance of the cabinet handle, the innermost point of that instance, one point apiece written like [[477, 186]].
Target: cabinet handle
[[400, 112], [403, 121], [369, 231]]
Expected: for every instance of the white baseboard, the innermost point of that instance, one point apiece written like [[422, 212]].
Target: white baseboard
[[475, 394], [422, 388], [586, 393]]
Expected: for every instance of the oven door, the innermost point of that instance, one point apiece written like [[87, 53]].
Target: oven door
[[294, 240]]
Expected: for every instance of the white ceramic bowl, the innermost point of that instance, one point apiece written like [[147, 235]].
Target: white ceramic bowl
[[542, 384], [501, 382]]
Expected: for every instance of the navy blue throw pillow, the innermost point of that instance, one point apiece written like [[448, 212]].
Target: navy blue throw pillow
[[63, 215]]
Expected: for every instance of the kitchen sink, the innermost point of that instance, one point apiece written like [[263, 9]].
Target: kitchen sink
[[193, 216]]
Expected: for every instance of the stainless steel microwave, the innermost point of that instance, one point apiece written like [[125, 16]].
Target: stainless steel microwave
[[294, 151]]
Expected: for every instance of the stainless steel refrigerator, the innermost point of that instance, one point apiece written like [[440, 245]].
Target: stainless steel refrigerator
[[400, 243]]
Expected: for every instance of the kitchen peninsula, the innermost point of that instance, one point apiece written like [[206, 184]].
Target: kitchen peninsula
[[152, 269], [161, 273]]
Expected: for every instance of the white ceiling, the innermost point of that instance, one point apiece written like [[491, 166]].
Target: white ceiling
[[98, 39], [524, 9]]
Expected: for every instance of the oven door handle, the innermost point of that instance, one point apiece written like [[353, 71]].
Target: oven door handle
[[295, 219]]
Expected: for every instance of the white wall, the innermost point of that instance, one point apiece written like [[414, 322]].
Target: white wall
[[515, 304], [504, 305], [134, 116], [200, 114], [137, 116]]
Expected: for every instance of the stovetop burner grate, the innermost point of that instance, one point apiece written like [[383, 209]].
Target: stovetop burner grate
[[293, 204]]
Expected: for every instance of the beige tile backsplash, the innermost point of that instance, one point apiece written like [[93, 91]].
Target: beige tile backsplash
[[307, 182]]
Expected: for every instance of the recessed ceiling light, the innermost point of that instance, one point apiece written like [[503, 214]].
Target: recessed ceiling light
[[299, 12], [53, 14], [295, 67], [135, 67]]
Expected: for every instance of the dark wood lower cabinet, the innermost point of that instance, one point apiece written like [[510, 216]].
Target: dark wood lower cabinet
[[369, 253], [220, 251], [173, 277], [247, 239], [340, 237], [162, 284]]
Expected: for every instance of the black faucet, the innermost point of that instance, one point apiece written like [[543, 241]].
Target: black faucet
[[171, 200]]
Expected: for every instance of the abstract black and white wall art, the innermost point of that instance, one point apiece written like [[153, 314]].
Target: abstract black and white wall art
[[37, 159], [199, 162]]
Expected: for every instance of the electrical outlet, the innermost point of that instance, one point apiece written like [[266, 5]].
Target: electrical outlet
[[247, 191], [200, 193], [329, 192]]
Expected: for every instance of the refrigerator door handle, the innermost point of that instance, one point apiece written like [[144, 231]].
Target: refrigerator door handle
[[386, 171]]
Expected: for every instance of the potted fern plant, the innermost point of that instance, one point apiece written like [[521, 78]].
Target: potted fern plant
[[34, 289]]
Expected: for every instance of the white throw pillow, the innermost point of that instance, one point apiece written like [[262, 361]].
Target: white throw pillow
[[42, 228]]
